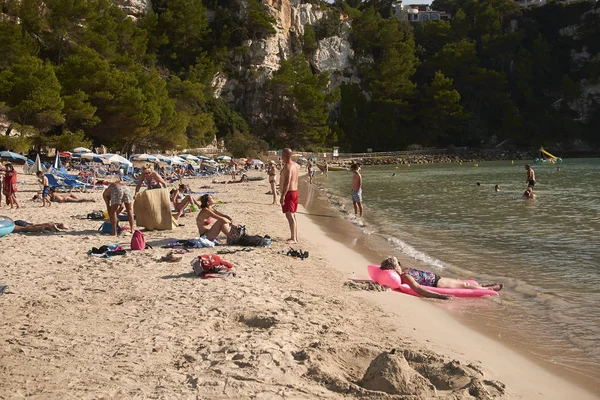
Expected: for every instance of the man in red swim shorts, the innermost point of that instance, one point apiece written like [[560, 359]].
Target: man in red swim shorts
[[288, 184]]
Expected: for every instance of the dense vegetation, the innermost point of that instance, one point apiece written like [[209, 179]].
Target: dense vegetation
[[75, 72]]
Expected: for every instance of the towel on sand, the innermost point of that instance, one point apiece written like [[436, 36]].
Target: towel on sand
[[152, 210]]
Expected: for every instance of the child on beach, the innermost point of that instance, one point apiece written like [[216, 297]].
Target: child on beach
[[357, 190], [530, 176], [46, 189], [180, 200], [528, 194]]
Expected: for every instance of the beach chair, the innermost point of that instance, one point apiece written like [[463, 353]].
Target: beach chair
[[65, 174], [129, 180], [75, 184], [52, 182]]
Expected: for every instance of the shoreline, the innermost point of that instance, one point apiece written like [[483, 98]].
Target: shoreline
[[352, 238], [131, 327]]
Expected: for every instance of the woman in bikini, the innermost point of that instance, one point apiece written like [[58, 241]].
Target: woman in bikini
[[419, 280], [222, 222], [181, 201], [272, 172], [67, 198], [150, 178], [27, 227]]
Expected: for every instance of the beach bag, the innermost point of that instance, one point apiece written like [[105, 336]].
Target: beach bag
[[235, 232], [138, 241], [106, 228], [254, 240], [210, 263], [96, 215]]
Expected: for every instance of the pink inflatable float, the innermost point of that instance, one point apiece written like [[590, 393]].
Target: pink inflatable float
[[392, 280]]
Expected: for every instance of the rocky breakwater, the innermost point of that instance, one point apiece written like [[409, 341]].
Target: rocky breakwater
[[458, 156]]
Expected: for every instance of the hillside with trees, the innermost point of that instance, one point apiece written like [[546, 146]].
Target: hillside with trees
[[82, 72]]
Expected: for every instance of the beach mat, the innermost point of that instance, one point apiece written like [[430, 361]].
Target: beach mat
[[152, 210]]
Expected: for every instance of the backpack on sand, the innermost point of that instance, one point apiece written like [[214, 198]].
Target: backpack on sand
[[138, 241], [235, 232], [106, 228], [210, 263]]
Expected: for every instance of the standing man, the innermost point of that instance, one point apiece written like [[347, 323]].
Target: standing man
[[530, 176], [288, 184], [357, 190], [310, 171], [326, 169]]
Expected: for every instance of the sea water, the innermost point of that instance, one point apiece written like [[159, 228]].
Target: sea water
[[448, 218]]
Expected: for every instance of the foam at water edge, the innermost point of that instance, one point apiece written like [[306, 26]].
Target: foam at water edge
[[414, 253]]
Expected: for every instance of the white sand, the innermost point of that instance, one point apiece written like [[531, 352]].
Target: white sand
[[75, 326]]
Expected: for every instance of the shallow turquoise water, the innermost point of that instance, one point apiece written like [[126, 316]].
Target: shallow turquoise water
[[546, 251]]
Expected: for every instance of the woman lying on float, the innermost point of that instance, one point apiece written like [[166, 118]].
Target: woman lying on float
[[426, 283]]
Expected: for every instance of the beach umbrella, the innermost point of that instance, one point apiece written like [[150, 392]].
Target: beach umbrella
[[116, 159], [203, 158], [80, 150], [162, 158], [224, 158], [189, 157], [177, 160], [57, 164], [9, 155], [92, 157], [143, 157], [255, 161], [37, 165]]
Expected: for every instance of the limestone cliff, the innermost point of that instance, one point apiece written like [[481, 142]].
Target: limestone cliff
[[589, 100], [244, 91], [134, 7]]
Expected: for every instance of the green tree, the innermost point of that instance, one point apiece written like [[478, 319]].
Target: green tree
[[309, 43], [298, 105], [242, 144], [227, 121], [259, 21], [441, 112], [191, 104], [32, 92]]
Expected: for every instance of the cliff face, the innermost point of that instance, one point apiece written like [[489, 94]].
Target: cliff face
[[589, 100], [134, 7], [244, 91]]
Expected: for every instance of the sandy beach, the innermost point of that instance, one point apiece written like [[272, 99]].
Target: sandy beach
[[75, 326]]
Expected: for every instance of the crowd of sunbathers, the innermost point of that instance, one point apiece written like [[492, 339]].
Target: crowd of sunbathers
[[118, 198]]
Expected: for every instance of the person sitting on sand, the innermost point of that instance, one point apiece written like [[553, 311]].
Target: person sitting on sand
[[67, 197], [222, 222], [150, 178], [180, 201], [418, 280], [26, 227]]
